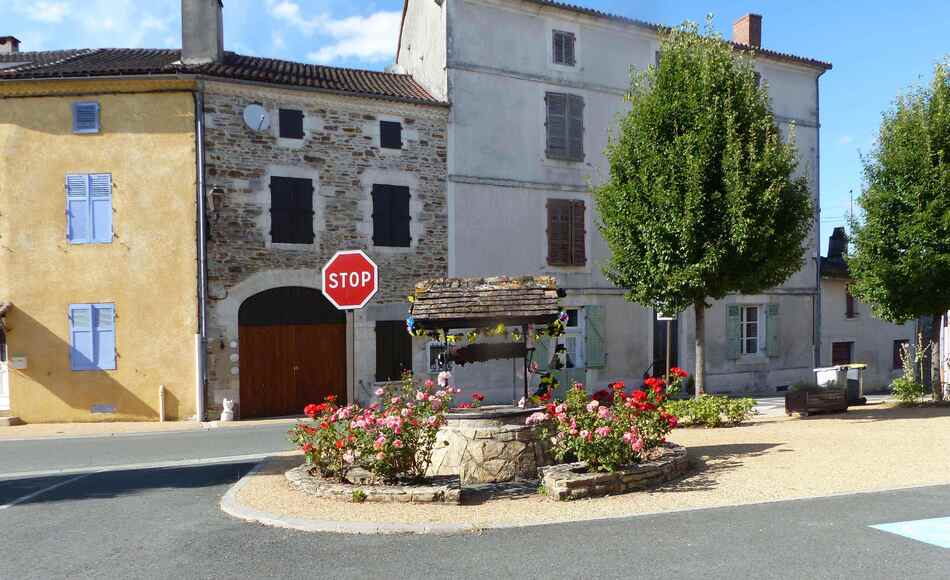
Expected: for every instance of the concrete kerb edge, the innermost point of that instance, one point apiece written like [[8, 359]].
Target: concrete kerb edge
[[234, 508]]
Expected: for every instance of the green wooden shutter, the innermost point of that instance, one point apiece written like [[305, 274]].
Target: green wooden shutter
[[575, 127], [542, 353], [595, 346], [772, 325], [733, 338]]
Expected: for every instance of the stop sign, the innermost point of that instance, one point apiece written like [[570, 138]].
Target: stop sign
[[350, 279]]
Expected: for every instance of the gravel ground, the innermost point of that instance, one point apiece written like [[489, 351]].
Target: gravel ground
[[772, 458]]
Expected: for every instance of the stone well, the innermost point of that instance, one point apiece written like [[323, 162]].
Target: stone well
[[488, 445]]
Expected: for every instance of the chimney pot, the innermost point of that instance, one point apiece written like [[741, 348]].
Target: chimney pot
[[9, 44], [202, 31], [748, 30], [838, 243]]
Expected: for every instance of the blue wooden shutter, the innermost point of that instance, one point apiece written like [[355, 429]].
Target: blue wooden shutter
[[733, 335], [104, 321], [82, 351], [596, 337], [85, 117], [100, 197], [78, 210], [542, 352], [772, 325]]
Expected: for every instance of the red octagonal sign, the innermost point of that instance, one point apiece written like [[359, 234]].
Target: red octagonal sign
[[350, 279]]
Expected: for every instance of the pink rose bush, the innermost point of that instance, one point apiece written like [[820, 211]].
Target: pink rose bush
[[609, 429], [392, 439]]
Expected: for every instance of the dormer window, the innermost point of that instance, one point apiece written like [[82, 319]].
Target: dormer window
[[564, 48], [85, 117]]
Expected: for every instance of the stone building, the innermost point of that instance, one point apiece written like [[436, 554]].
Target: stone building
[[536, 87], [235, 179]]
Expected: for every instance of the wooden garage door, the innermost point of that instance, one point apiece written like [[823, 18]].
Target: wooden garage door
[[287, 365]]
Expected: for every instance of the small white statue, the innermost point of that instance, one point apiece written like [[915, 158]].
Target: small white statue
[[228, 413]]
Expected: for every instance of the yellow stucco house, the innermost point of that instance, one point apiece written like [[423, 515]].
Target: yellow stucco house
[[98, 253]]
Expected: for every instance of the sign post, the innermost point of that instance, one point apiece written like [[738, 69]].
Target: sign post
[[669, 319], [349, 280]]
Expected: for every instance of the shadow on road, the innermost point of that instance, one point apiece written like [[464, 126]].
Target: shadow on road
[[114, 484]]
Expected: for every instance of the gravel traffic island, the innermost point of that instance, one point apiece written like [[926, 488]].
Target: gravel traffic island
[[769, 459]]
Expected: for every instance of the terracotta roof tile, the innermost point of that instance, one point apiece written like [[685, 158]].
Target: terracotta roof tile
[[135, 62]]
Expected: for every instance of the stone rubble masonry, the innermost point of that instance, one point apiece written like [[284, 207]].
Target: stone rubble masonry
[[340, 152], [569, 481], [488, 448], [441, 490]]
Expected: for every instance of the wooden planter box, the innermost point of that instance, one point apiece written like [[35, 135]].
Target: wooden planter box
[[816, 401]]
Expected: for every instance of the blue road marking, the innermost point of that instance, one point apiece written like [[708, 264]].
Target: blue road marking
[[934, 531]]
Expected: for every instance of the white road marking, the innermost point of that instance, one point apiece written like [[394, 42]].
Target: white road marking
[[935, 531], [131, 466], [30, 496]]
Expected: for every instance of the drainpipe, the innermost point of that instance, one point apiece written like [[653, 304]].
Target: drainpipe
[[818, 224], [201, 352]]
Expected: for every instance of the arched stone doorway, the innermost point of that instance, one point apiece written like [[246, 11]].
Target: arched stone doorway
[[293, 351]]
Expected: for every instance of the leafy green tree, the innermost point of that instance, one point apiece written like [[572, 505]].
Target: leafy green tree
[[901, 259], [701, 199]]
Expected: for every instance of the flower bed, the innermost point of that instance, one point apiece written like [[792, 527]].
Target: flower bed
[[569, 481], [443, 490]]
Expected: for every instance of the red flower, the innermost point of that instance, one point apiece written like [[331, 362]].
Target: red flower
[[311, 410], [619, 386], [678, 372], [324, 426], [464, 406], [639, 396], [478, 396], [307, 448], [340, 443], [603, 396], [545, 396], [330, 398], [550, 408]]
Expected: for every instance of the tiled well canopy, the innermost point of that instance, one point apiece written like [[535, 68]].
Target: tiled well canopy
[[451, 303]]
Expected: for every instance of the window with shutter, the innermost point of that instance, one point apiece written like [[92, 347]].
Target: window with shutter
[[567, 234], [391, 217], [291, 210], [596, 337], [841, 353], [92, 337], [390, 135], [564, 47], [393, 350], [565, 126], [85, 117], [89, 208], [291, 123]]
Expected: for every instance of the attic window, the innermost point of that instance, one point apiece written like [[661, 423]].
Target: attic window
[[390, 135], [85, 117], [290, 122]]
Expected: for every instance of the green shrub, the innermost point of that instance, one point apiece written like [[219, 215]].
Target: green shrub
[[908, 391], [711, 410], [359, 496]]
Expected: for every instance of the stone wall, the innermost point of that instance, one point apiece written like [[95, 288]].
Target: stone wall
[[568, 481], [340, 152]]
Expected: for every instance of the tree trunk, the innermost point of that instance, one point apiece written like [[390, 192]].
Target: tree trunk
[[917, 356], [700, 373], [936, 381]]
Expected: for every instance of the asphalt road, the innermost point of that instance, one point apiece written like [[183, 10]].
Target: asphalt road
[[165, 523]]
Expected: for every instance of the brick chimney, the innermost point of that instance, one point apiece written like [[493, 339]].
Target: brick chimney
[[9, 44], [748, 30], [202, 31]]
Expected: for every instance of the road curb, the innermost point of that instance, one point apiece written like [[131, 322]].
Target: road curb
[[234, 508]]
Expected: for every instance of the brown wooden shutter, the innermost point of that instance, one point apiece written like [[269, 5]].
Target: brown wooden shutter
[[575, 127], [559, 232], [578, 234]]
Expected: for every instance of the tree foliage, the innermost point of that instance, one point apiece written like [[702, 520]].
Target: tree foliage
[[901, 247], [701, 200]]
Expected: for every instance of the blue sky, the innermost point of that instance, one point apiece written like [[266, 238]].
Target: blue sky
[[877, 48]]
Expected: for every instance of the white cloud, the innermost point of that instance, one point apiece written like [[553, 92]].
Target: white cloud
[[370, 38], [846, 140], [42, 10]]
